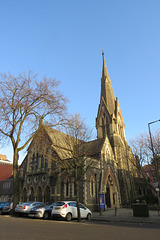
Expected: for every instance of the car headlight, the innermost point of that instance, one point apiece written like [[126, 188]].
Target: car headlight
[[39, 209]]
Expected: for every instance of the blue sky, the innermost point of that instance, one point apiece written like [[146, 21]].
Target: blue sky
[[64, 39]]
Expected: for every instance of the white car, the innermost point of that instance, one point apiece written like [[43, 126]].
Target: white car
[[68, 210], [23, 208]]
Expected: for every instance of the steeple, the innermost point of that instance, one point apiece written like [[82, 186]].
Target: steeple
[[107, 94], [109, 119], [104, 70]]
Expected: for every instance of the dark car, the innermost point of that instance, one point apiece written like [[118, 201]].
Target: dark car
[[42, 211], [1, 206], [8, 207]]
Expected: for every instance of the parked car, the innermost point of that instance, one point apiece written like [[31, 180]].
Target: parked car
[[7, 209], [41, 211], [23, 208], [1, 206], [68, 210]]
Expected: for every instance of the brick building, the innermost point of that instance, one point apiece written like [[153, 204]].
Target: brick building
[[6, 167], [6, 180]]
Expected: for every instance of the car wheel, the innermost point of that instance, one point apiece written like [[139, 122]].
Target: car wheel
[[46, 215], [69, 217], [89, 217]]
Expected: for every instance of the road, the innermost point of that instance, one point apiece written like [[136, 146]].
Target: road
[[12, 228]]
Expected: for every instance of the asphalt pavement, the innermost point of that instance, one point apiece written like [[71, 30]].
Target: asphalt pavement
[[125, 215]]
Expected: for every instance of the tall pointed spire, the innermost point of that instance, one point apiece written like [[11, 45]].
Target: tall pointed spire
[[104, 70], [106, 89]]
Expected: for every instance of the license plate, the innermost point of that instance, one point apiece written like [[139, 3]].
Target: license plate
[[57, 208]]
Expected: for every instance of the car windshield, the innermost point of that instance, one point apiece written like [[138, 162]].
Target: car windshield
[[39, 206], [59, 203], [53, 204], [2, 203], [7, 204], [27, 203]]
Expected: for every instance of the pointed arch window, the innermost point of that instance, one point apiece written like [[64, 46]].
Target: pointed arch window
[[42, 161], [31, 194], [103, 127], [33, 162], [39, 194], [33, 159], [92, 186], [73, 188], [46, 163], [67, 188], [37, 165]]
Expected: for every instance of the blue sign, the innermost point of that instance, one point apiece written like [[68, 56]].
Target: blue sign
[[101, 201]]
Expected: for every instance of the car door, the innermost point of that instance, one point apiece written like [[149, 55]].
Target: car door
[[82, 210], [73, 209]]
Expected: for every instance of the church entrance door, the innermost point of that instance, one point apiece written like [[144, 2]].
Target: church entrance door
[[107, 197]]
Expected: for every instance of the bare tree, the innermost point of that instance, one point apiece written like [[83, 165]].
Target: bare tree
[[24, 101], [140, 152], [80, 163], [143, 153], [153, 144]]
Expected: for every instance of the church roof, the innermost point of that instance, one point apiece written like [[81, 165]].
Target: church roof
[[63, 144], [92, 148]]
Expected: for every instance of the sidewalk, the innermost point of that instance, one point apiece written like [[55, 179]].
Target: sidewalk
[[125, 215]]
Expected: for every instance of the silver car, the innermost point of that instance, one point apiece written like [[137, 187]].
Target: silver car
[[23, 208], [68, 210], [41, 211]]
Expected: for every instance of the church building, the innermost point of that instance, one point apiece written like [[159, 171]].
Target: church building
[[113, 174]]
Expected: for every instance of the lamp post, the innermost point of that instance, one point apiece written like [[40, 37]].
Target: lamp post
[[151, 135], [155, 163]]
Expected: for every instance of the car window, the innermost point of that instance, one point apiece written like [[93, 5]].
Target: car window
[[51, 205], [36, 204], [7, 204], [82, 206], [41, 205], [59, 203], [27, 203], [72, 204]]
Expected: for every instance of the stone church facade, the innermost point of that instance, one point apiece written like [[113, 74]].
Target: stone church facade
[[41, 180]]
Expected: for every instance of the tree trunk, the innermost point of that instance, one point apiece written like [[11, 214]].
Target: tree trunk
[[77, 195], [16, 193], [78, 209]]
